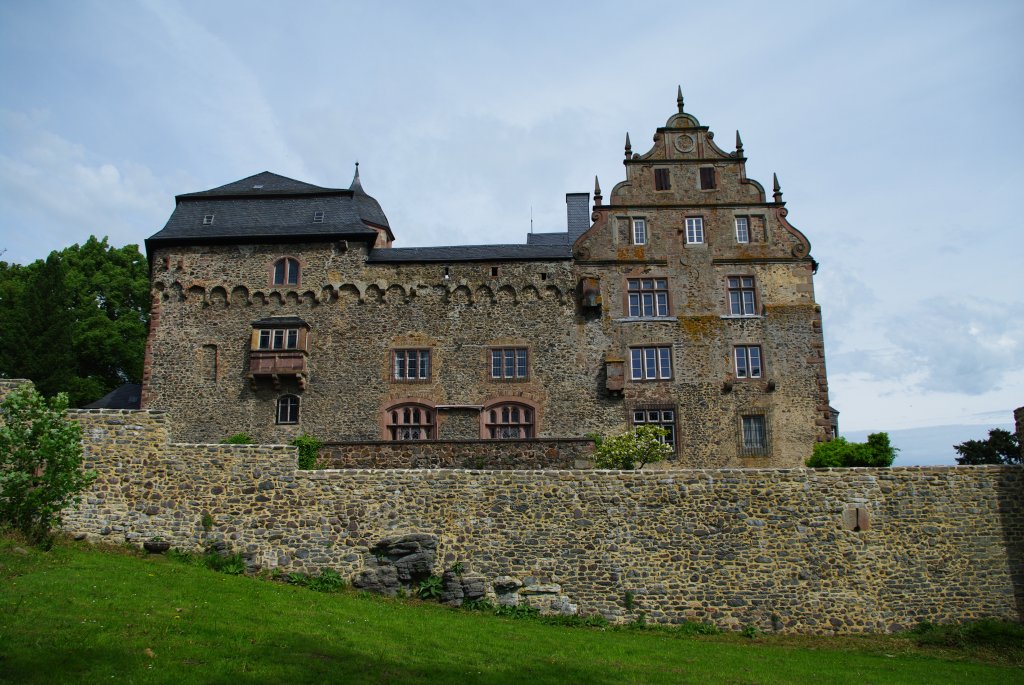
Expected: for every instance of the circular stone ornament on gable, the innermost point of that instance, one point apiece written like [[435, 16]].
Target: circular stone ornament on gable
[[684, 142]]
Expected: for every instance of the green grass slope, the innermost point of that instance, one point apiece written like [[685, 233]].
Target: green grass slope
[[85, 614]]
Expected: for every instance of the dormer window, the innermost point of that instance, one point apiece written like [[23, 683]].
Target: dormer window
[[318, 217], [207, 219], [286, 271]]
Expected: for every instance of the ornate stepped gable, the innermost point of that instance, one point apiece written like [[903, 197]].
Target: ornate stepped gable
[[686, 302]]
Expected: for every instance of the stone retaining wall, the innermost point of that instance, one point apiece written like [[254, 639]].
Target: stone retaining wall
[[789, 549], [463, 454]]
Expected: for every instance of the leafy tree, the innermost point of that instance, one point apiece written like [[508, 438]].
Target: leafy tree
[[840, 453], [76, 321], [633, 449], [1002, 447], [40, 462]]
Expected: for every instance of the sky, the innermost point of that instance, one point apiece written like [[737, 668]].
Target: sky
[[894, 128]]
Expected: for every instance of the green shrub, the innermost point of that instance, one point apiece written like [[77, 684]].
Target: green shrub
[[839, 453], [40, 463], [750, 631], [430, 588], [329, 580], [690, 628], [632, 449], [989, 633], [231, 564], [517, 611], [238, 439], [309, 451], [592, 621], [478, 605]]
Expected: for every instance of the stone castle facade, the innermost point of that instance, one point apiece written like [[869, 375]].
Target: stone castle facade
[[686, 301]]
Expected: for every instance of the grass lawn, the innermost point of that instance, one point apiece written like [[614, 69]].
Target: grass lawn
[[88, 614]]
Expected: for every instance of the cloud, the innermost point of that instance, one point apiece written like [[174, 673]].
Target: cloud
[[57, 192]]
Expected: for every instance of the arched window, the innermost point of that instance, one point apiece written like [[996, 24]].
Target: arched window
[[509, 421], [410, 422], [288, 409], [286, 271]]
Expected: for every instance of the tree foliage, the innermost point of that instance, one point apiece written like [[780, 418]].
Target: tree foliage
[[633, 449], [840, 453], [75, 322], [40, 462], [1001, 447]]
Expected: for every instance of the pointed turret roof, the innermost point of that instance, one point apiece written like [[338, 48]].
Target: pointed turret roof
[[369, 208]]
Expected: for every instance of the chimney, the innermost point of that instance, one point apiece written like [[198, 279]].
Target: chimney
[[577, 211]]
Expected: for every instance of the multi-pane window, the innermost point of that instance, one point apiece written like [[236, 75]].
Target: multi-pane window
[[279, 338], [661, 179], [707, 178], [288, 409], [662, 417], [509, 422], [694, 230], [650, 363], [286, 271], [410, 422], [648, 296], [318, 217], [741, 296], [207, 219], [412, 365], [508, 363], [742, 229], [639, 232], [755, 436], [748, 361]]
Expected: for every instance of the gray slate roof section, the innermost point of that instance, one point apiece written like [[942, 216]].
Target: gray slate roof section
[[273, 208], [369, 209], [127, 396], [547, 238], [271, 184], [470, 253]]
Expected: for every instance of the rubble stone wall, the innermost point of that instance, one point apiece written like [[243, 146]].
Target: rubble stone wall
[[787, 549]]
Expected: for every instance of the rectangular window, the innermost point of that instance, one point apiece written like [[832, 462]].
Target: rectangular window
[[742, 229], [508, 363], [707, 178], [661, 179], [741, 296], [412, 365], [650, 363], [639, 232], [318, 217], [648, 296], [755, 436], [662, 417], [279, 339], [748, 361], [694, 230], [207, 219]]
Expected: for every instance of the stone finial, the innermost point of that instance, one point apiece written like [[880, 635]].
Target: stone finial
[[739, 144], [679, 98], [629, 147], [777, 194], [597, 192]]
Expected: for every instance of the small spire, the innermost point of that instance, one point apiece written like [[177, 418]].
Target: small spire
[[679, 98], [629, 147], [739, 144], [776, 187], [356, 185], [597, 192]]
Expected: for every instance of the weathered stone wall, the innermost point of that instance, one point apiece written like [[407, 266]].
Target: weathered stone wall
[[798, 549], [465, 454]]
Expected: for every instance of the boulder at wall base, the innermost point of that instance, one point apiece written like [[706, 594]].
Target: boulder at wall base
[[398, 562], [457, 589]]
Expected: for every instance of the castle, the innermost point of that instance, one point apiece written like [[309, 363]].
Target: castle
[[686, 302]]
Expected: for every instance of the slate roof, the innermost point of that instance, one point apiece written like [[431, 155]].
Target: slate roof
[[470, 253], [272, 208], [279, 322], [547, 238], [127, 396]]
